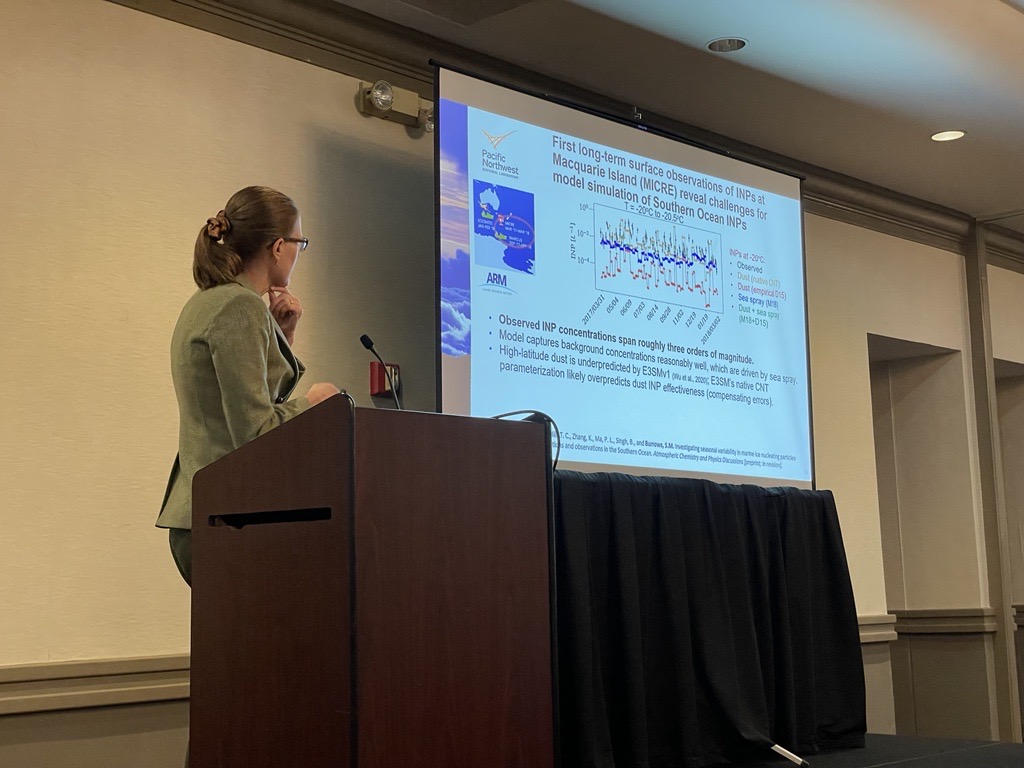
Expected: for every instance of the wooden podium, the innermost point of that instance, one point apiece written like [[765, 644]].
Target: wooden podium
[[372, 588]]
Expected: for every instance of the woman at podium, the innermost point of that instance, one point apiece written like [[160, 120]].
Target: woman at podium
[[231, 359]]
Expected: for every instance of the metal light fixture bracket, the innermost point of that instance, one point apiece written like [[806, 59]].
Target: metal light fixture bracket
[[406, 106]]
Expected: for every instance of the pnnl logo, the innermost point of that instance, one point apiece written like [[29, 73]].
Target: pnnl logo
[[496, 140]]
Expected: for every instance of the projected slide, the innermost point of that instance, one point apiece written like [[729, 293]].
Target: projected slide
[[646, 294]]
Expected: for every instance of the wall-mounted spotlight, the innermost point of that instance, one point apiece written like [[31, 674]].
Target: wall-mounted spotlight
[[382, 99]]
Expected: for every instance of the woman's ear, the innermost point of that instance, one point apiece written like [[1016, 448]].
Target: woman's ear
[[276, 248]]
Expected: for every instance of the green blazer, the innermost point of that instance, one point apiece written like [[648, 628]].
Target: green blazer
[[233, 372]]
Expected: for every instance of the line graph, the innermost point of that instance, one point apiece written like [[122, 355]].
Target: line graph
[[647, 258]]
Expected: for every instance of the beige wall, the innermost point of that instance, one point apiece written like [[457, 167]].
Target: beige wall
[[1010, 406], [1006, 309], [118, 137], [861, 282], [1006, 299], [925, 483], [122, 134]]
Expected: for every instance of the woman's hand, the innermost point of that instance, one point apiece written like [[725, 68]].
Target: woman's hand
[[321, 391], [286, 309]]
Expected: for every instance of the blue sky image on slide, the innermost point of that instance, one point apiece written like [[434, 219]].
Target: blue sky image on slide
[[455, 266], [455, 310]]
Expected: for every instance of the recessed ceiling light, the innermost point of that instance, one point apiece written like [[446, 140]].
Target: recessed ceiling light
[[727, 44], [948, 136]]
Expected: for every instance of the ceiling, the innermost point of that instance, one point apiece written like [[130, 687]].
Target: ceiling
[[853, 86]]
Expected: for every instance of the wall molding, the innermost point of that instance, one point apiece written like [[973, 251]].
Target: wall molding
[[81, 684], [1004, 248], [946, 621], [880, 628], [64, 685]]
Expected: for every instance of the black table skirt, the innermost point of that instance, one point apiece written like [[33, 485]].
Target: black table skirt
[[699, 623]]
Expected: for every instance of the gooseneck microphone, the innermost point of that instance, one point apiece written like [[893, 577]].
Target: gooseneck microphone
[[368, 343]]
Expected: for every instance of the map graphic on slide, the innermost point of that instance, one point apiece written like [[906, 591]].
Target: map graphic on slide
[[647, 258], [503, 227]]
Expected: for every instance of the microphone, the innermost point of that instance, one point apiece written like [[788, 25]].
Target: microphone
[[368, 343]]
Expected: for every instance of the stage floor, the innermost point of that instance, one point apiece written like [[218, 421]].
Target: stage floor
[[910, 752]]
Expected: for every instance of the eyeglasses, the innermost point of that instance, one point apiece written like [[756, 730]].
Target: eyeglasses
[[302, 241]]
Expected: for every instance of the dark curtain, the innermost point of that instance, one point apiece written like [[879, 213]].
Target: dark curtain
[[700, 623]]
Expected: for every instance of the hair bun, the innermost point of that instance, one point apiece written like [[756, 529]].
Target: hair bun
[[218, 226]]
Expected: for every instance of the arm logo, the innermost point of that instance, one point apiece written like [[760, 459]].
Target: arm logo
[[496, 140]]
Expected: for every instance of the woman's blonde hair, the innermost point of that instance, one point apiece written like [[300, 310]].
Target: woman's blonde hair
[[253, 218]]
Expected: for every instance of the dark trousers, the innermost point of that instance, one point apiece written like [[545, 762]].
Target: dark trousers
[[181, 551]]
